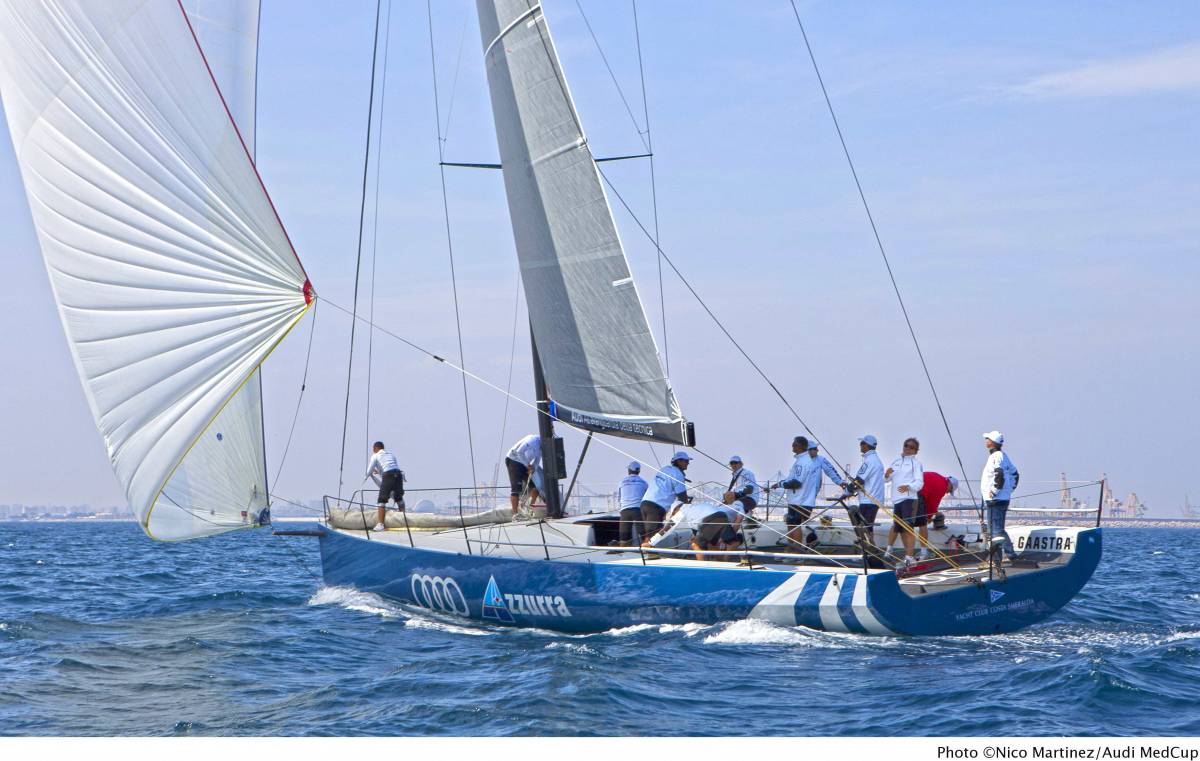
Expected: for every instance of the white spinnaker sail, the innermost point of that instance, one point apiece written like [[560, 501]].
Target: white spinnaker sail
[[602, 368], [173, 275]]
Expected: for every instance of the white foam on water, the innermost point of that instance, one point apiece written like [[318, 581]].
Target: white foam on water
[[572, 647], [1194, 598], [40, 563], [1177, 636], [691, 630], [437, 624], [625, 631], [754, 631], [1158, 552], [356, 600]]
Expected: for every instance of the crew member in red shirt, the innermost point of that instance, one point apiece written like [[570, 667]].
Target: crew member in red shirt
[[931, 494]]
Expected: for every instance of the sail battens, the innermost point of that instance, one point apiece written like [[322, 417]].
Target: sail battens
[[133, 124], [597, 353]]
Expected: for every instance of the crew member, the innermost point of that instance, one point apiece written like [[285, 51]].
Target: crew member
[[907, 477], [797, 514], [812, 478], [868, 483], [670, 485], [710, 523], [929, 498], [521, 461], [742, 486], [633, 488], [383, 469], [999, 479]]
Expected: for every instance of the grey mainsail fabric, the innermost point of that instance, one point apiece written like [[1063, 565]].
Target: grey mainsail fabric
[[601, 365]]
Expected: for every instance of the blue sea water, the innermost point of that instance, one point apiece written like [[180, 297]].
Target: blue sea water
[[104, 632]]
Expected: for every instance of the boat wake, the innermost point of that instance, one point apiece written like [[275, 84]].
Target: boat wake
[[372, 604], [352, 599]]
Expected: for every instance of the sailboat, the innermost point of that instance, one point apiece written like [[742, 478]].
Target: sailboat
[[175, 279]]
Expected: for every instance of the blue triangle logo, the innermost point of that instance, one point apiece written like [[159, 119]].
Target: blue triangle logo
[[995, 594], [493, 603]]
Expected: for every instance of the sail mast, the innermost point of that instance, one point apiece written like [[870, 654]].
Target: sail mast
[[550, 470]]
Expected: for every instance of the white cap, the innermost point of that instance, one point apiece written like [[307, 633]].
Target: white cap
[[813, 445], [870, 440], [635, 466], [735, 458], [953, 484], [681, 455], [995, 436]]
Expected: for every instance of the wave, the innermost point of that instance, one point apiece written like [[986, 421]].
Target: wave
[[352, 599]]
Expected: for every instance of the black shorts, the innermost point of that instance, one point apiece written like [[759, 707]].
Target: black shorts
[[866, 514], [712, 529], [630, 516], [518, 474], [921, 518], [652, 518], [748, 504], [904, 513], [391, 486], [796, 515]]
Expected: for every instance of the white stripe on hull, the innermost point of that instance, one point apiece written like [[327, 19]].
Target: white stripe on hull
[[831, 620], [863, 612], [779, 607]]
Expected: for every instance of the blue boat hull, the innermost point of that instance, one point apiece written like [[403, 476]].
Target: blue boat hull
[[589, 597]]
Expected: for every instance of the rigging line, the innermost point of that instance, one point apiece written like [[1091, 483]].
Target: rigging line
[[362, 209], [835, 461], [662, 299], [387, 35], [462, 38], [512, 355], [713, 316], [629, 110], [882, 252], [312, 329], [437, 114], [458, 368]]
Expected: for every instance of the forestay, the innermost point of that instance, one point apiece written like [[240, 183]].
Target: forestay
[[173, 275], [601, 365]]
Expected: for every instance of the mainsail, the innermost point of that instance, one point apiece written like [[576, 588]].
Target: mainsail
[[173, 275], [602, 368]]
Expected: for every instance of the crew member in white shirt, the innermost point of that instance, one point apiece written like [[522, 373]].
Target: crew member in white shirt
[[868, 482], [713, 526], [907, 476], [816, 466], [670, 486], [797, 514], [521, 461], [385, 472], [742, 486], [999, 479], [633, 488]]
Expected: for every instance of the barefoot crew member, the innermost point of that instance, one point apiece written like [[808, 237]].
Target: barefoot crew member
[[385, 472], [521, 461]]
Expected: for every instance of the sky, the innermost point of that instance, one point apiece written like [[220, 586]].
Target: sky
[[1033, 170]]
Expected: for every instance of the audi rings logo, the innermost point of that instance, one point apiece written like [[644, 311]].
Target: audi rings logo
[[439, 593]]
